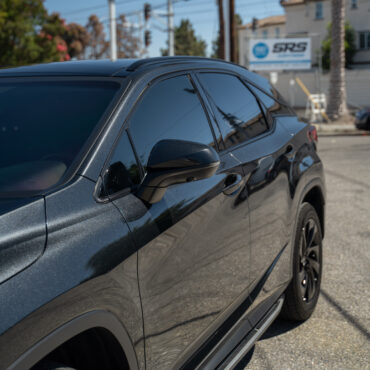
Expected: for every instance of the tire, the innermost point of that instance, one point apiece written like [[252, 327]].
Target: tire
[[51, 365], [303, 291]]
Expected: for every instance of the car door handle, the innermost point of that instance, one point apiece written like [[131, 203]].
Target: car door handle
[[232, 184]]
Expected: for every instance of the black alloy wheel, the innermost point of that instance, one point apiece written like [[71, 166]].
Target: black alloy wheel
[[309, 256], [303, 292]]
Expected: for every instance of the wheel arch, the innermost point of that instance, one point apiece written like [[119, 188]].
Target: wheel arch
[[314, 195], [307, 193], [91, 320]]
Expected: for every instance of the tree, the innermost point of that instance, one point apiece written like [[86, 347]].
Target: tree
[[55, 29], [337, 104], [97, 45], [28, 34], [186, 42], [77, 39], [349, 46], [20, 41], [70, 39], [128, 45]]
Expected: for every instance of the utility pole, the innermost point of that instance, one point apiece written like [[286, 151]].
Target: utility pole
[[171, 36], [233, 48], [226, 4], [221, 45], [113, 30]]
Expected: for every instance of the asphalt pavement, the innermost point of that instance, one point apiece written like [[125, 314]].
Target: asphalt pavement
[[337, 336]]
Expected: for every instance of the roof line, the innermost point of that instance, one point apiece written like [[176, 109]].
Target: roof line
[[169, 60]]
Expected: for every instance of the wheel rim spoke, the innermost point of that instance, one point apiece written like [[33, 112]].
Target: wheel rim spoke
[[310, 233], [303, 243], [314, 248], [314, 265], [310, 284], [309, 267]]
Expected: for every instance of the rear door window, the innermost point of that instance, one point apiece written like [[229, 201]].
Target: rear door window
[[238, 112], [272, 106]]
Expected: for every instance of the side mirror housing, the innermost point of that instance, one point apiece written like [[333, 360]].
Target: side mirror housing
[[175, 162]]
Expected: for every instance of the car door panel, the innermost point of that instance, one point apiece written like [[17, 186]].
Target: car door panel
[[262, 150], [192, 262], [269, 199], [193, 245]]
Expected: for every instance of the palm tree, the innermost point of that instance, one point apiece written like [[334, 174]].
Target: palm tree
[[337, 105]]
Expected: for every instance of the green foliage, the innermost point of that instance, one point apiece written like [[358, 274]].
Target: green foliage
[[28, 34], [186, 42], [20, 42], [349, 46], [216, 47]]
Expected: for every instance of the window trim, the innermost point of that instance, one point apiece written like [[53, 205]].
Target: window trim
[[126, 127], [100, 185], [367, 38], [321, 4], [354, 4]]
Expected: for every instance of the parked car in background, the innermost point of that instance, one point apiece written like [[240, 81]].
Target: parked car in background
[[362, 120], [156, 213]]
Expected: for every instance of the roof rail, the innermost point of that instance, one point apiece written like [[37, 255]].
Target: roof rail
[[169, 60]]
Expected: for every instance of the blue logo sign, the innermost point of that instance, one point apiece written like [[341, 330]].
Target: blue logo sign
[[260, 50]]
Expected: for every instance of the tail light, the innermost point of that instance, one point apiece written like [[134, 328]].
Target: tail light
[[312, 134]]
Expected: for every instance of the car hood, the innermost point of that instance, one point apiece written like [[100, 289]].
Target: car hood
[[22, 234]]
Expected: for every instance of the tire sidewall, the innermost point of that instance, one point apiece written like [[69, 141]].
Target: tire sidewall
[[306, 212]]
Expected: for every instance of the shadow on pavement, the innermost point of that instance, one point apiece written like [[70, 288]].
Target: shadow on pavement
[[351, 319], [280, 326]]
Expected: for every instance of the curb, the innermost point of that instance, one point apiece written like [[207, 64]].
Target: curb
[[339, 130], [343, 133]]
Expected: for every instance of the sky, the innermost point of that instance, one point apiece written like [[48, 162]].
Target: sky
[[202, 14]]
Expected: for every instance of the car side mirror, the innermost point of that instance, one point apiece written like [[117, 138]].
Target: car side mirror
[[175, 162]]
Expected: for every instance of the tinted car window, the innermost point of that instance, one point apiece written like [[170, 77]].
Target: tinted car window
[[262, 82], [123, 171], [170, 109], [274, 107], [239, 114], [43, 126]]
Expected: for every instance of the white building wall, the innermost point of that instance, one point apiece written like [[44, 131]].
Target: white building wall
[[357, 83], [301, 21]]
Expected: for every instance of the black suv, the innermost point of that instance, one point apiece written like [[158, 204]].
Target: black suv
[[155, 213]]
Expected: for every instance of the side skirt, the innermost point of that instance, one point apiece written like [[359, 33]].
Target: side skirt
[[242, 324], [247, 343]]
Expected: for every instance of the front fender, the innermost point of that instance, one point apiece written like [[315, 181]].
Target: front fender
[[93, 319]]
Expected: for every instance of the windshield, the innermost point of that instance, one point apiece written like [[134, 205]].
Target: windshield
[[44, 125]]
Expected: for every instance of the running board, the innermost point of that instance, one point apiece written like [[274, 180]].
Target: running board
[[246, 344]]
